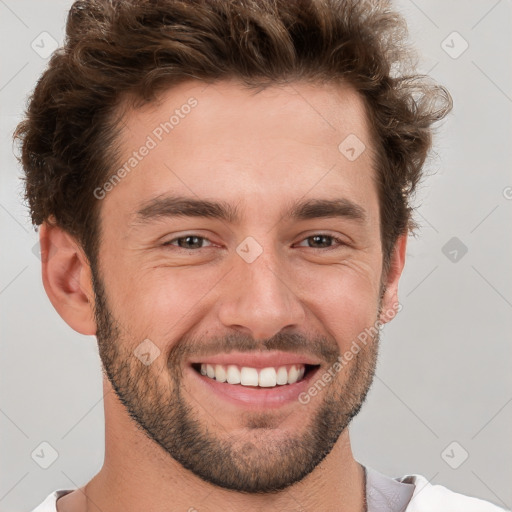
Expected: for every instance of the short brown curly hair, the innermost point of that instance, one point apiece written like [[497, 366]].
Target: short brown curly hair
[[118, 49]]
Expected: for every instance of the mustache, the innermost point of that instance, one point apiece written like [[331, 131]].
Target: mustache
[[319, 347]]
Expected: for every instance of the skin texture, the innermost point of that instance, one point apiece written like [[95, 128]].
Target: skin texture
[[260, 152]]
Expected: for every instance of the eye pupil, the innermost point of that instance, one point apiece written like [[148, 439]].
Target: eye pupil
[[185, 241], [319, 238]]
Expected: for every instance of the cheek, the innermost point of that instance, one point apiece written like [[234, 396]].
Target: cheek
[[346, 303], [161, 303]]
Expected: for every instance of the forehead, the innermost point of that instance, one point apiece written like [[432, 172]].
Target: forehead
[[225, 140], [308, 111]]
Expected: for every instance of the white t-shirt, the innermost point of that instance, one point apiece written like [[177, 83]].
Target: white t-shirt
[[410, 493]]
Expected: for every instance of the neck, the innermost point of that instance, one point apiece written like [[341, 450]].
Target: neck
[[138, 475]]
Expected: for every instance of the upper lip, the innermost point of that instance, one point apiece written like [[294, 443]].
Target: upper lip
[[256, 359]]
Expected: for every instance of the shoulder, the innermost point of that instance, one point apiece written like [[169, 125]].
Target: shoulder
[[432, 498], [50, 502]]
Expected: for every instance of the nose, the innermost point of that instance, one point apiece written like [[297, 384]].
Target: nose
[[259, 299]]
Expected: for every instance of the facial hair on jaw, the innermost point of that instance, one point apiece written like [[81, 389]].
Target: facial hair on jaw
[[249, 463]]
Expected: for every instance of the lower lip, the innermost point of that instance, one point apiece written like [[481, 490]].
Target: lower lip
[[255, 396]]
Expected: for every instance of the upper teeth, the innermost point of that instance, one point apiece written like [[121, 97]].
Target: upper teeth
[[246, 376]]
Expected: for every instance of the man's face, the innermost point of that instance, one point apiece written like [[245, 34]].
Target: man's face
[[268, 296]]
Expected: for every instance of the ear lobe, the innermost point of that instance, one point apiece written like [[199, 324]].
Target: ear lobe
[[390, 304], [67, 278]]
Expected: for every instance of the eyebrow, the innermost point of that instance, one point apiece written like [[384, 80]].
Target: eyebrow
[[181, 206]]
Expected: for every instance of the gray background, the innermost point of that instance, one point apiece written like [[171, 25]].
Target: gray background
[[444, 373]]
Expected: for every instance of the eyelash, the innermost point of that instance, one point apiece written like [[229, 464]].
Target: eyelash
[[334, 239]]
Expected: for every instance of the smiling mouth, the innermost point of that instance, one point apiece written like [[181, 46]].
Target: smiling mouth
[[246, 376]]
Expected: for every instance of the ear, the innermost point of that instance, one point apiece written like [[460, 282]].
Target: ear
[[67, 278], [390, 304]]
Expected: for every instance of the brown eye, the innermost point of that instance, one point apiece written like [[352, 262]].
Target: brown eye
[[188, 242], [322, 241]]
